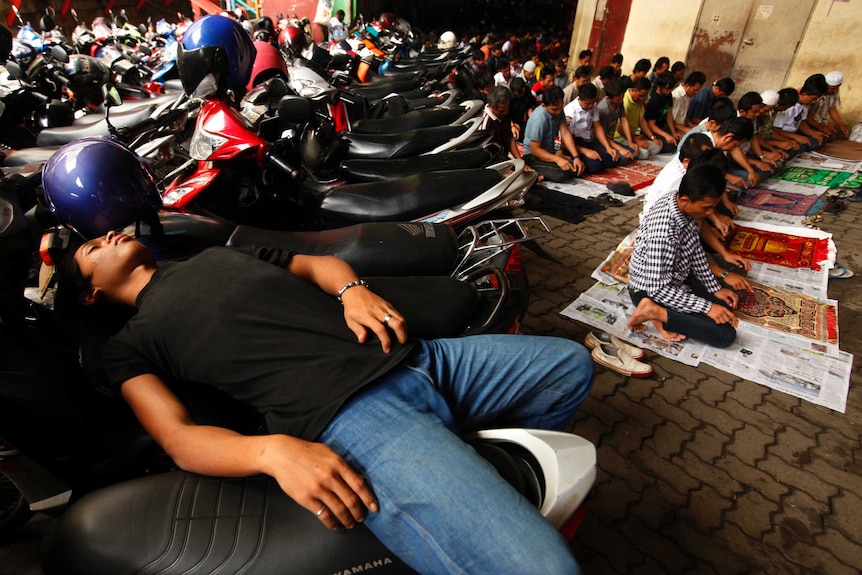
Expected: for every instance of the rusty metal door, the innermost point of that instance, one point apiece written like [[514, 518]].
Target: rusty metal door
[[718, 36], [769, 43]]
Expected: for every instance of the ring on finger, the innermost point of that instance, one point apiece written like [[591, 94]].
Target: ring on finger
[[387, 319], [319, 513]]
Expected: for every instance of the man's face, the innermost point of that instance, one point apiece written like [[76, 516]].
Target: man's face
[[559, 71], [616, 101], [832, 90], [718, 92], [662, 69], [547, 82], [581, 81], [691, 90], [679, 74], [587, 104], [554, 109], [107, 261], [501, 110], [586, 61], [665, 91], [752, 113], [807, 99], [727, 142], [638, 74], [617, 66], [638, 95], [699, 209], [529, 75]]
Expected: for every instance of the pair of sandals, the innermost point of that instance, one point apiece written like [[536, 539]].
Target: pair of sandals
[[608, 201]]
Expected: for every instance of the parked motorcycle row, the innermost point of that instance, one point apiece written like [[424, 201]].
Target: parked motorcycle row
[[365, 149]]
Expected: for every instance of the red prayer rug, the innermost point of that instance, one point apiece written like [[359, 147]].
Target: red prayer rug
[[789, 312], [636, 174], [778, 248], [777, 201]]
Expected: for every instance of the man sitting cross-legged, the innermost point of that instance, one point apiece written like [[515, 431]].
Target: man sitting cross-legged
[[668, 253]]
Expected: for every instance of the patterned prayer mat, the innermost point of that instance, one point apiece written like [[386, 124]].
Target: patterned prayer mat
[[830, 178], [636, 174], [777, 248], [789, 312], [617, 265], [776, 201]]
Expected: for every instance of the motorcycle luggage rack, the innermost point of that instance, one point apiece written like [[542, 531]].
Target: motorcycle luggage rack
[[481, 242]]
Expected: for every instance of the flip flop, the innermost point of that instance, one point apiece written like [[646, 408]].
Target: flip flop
[[840, 272], [840, 193], [607, 200], [812, 220]]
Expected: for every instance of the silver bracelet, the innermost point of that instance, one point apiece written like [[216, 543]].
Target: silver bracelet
[[352, 284]]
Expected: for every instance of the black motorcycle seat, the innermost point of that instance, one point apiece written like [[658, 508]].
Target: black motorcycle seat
[[405, 198], [179, 522], [380, 170], [409, 121], [372, 249], [377, 91], [26, 156], [400, 145], [66, 134]]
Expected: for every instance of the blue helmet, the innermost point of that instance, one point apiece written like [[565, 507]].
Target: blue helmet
[[97, 185], [215, 45]]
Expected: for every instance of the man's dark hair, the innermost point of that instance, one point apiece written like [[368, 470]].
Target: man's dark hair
[[588, 91], [677, 66], [584, 53], [722, 111], [499, 95], [742, 129], [787, 97], [547, 71], [642, 65], [559, 63], [614, 89], [749, 100], [583, 72], [695, 78], [702, 181], [607, 72], [694, 145], [484, 80], [711, 157], [502, 65], [517, 84], [617, 58], [726, 85], [815, 85], [662, 61], [665, 80], [642, 84], [553, 95]]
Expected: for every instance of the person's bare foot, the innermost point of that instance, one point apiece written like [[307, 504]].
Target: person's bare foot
[[648, 310]]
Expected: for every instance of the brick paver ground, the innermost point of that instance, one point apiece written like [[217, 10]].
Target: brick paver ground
[[700, 471]]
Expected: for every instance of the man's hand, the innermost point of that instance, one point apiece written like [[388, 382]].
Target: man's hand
[[579, 166], [753, 178], [736, 260], [738, 282], [318, 479], [563, 163], [728, 296], [591, 154], [364, 310], [735, 181], [627, 153], [722, 224], [720, 314]]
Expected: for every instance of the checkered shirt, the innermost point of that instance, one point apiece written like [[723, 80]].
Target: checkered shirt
[[667, 250]]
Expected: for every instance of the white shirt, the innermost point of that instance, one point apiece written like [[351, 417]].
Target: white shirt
[[667, 181], [337, 29], [581, 123], [500, 80], [789, 119], [680, 105]]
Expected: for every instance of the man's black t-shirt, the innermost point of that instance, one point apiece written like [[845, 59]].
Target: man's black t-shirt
[[237, 320], [657, 107]]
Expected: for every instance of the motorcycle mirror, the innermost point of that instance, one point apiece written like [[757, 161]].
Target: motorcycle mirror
[[112, 96], [15, 71], [142, 28], [135, 57], [295, 109], [46, 23], [277, 89], [59, 54], [144, 49]]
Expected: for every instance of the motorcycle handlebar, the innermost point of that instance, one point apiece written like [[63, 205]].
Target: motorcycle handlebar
[[283, 166]]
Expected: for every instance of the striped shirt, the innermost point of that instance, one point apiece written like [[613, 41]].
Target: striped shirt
[[667, 250]]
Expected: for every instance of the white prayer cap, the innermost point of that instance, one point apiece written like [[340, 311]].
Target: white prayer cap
[[770, 97], [530, 66], [834, 78]]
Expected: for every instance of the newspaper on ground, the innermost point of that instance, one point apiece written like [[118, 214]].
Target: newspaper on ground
[[823, 162]]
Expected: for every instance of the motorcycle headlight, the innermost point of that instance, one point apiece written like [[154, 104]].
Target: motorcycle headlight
[[204, 144]]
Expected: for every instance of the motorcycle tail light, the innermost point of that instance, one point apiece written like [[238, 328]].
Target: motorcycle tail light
[[154, 87], [514, 265]]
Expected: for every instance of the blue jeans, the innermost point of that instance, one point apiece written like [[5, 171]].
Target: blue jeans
[[444, 509]]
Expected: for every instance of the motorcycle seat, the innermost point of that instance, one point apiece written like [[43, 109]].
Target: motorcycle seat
[[405, 198], [378, 170], [410, 121], [66, 134], [372, 249], [400, 145], [27, 156], [379, 90]]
